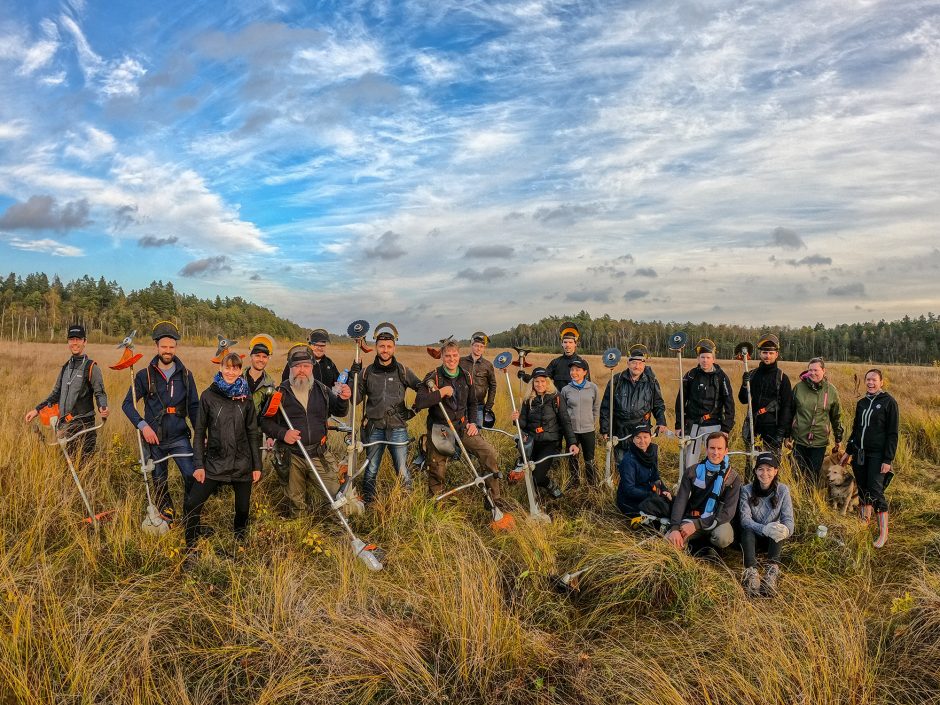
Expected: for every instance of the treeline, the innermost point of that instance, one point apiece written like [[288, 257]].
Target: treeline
[[35, 308], [906, 341]]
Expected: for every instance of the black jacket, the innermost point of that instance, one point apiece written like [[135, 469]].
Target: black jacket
[[483, 375], [690, 499], [545, 418], [167, 402], [382, 389], [633, 401], [460, 405], [637, 480], [226, 441], [771, 400], [708, 399], [558, 370], [324, 370], [875, 428], [310, 421]]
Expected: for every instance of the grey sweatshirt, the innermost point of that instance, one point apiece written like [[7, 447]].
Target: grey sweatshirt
[[583, 406]]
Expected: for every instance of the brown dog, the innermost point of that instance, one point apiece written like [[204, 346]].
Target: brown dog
[[843, 492]]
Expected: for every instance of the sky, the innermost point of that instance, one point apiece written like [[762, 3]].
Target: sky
[[461, 166]]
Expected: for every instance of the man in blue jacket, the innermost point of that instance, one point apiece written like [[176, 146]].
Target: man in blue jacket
[[169, 393]]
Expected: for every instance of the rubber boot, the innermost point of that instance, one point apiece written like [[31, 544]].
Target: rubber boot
[[882, 530], [751, 582]]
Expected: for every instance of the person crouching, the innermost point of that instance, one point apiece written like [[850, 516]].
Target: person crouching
[[641, 490], [766, 521]]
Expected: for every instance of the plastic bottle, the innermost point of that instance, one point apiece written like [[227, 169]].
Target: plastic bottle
[[341, 380]]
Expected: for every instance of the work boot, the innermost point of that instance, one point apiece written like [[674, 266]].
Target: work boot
[[882, 530], [553, 490], [751, 582], [768, 586]]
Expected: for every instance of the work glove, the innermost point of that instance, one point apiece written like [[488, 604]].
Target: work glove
[[745, 377], [776, 531], [521, 375], [356, 368]]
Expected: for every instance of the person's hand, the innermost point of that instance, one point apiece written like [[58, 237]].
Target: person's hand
[[514, 416], [788, 443], [687, 529], [837, 448], [103, 411], [746, 377], [679, 433], [344, 391], [149, 435], [520, 374], [446, 392], [667, 494], [472, 429], [269, 443], [885, 468], [574, 450], [776, 531], [844, 460], [675, 538], [604, 437], [292, 436], [255, 476], [356, 368], [662, 430], [31, 414], [200, 475]]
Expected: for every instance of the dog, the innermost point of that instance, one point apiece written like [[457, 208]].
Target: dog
[[843, 492]]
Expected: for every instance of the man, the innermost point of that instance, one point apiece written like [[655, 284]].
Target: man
[[308, 404], [483, 374], [77, 389], [260, 384], [637, 399], [707, 499], [453, 389], [324, 370], [169, 393], [709, 405], [382, 391], [771, 397]]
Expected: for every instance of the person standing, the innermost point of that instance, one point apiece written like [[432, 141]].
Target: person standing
[[169, 393], [709, 403], [261, 386], [78, 388], [483, 374], [766, 511], [771, 396], [872, 446], [324, 369], [582, 399], [816, 412]]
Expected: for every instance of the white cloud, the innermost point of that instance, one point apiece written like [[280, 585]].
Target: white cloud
[[435, 68], [46, 246], [12, 130], [114, 78], [122, 78], [335, 61], [32, 56], [89, 62], [91, 145]]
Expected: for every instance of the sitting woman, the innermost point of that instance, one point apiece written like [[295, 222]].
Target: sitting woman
[[226, 447], [544, 419], [641, 490], [766, 521]]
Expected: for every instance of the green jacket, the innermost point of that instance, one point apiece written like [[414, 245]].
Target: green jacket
[[264, 389], [816, 411]]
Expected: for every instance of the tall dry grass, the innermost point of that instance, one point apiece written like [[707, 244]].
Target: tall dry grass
[[459, 615]]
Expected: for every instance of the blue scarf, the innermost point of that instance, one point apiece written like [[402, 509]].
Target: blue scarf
[[238, 388], [579, 386], [700, 475]]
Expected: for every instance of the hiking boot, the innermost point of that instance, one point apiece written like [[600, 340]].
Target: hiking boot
[[553, 490], [751, 582], [768, 586]]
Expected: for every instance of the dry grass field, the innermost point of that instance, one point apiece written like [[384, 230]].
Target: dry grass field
[[459, 615]]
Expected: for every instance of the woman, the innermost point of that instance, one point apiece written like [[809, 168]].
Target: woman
[[544, 418], [766, 512], [582, 399], [640, 488], [816, 411], [872, 446], [226, 447]]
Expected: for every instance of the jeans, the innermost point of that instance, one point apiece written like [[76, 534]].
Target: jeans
[[375, 453], [479, 417], [161, 471], [751, 543]]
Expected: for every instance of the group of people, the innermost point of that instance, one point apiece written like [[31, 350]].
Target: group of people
[[232, 434]]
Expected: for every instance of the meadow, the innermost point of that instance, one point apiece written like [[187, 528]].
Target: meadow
[[459, 614]]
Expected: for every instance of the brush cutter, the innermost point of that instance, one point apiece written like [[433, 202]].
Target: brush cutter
[[363, 551], [62, 441], [745, 351], [501, 521], [677, 341], [521, 363], [611, 358], [502, 362], [357, 331]]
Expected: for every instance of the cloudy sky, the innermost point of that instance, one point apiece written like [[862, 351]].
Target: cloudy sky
[[452, 166]]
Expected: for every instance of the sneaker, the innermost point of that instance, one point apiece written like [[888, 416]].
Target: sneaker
[[751, 582], [768, 587]]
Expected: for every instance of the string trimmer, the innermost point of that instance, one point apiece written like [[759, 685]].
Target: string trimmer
[[610, 358]]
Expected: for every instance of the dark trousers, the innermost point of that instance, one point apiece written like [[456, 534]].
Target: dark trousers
[[809, 462], [161, 471], [586, 442], [751, 543], [542, 449], [200, 492], [85, 443], [871, 481]]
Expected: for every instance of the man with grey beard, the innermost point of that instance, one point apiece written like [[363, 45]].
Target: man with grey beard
[[308, 404]]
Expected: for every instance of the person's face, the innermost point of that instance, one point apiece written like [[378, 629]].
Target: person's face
[[230, 373], [77, 345], [717, 450], [577, 374], [540, 384], [451, 359], [636, 367], [259, 361], [765, 475], [385, 349], [642, 440], [303, 370], [319, 350], [166, 349], [477, 349], [816, 372], [706, 361], [769, 357], [873, 382], [568, 345]]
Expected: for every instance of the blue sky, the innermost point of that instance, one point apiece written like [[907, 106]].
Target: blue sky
[[470, 165]]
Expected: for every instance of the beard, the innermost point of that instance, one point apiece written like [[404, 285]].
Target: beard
[[300, 384]]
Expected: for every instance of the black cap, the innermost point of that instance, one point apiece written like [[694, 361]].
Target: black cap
[[299, 354], [76, 330], [385, 335], [577, 363], [769, 342], [767, 458], [165, 329], [705, 345], [319, 335], [643, 427], [539, 372], [261, 348], [480, 337], [639, 352]]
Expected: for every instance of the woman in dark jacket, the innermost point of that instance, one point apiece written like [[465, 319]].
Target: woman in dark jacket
[[639, 476], [544, 418], [872, 446], [226, 447]]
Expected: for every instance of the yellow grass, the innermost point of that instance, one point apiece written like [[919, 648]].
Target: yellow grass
[[459, 615]]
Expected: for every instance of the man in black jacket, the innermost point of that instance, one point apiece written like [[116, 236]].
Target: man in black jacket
[[771, 396], [324, 369], [709, 404], [308, 404], [483, 374], [637, 399]]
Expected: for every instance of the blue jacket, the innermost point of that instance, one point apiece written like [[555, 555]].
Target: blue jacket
[[636, 480], [178, 394]]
